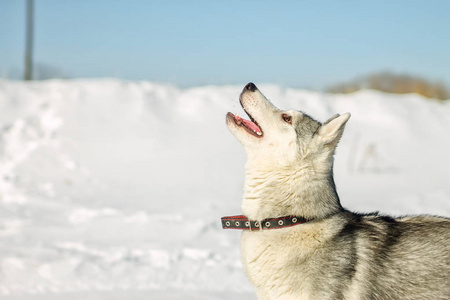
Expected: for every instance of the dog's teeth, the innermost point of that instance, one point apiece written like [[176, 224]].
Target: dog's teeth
[[259, 133]]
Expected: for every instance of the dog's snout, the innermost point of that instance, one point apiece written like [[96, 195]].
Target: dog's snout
[[250, 87]]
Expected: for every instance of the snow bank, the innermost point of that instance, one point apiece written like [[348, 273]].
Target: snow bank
[[111, 187]]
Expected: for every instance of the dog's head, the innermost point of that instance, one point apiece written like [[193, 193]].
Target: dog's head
[[282, 138]]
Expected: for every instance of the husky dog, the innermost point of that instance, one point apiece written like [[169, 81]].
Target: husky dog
[[337, 254]]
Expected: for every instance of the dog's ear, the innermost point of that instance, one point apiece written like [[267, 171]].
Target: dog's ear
[[331, 131]]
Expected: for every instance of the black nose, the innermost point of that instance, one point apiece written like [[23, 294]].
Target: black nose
[[250, 87]]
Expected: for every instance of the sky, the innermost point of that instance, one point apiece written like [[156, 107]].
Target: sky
[[307, 44]]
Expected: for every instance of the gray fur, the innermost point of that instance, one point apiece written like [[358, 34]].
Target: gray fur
[[340, 254]]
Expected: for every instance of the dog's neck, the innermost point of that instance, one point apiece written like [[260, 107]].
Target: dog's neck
[[299, 190]]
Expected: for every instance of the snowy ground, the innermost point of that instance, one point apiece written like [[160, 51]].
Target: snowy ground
[[114, 190]]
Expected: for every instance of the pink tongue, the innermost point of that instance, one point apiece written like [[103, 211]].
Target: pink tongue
[[249, 124]]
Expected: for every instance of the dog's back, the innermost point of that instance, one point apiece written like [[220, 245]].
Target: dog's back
[[406, 258]]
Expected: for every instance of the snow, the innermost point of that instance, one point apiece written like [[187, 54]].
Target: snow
[[114, 189]]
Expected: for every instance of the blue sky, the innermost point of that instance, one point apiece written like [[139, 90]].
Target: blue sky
[[309, 44]]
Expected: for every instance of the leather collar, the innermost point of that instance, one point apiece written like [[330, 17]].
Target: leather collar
[[243, 223]]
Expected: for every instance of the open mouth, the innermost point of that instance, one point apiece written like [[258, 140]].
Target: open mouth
[[251, 126]]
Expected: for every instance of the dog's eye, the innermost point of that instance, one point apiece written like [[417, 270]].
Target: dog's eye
[[287, 118]]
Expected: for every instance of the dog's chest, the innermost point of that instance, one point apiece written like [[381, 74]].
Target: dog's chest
[[277, 264]]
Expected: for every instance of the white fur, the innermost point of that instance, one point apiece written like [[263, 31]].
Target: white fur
[[276, 260]]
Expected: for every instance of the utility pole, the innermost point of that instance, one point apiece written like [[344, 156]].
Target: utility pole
[[29, 42]]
